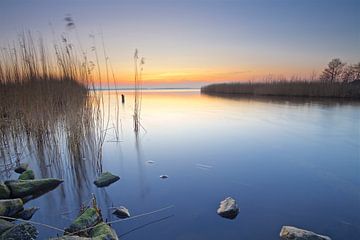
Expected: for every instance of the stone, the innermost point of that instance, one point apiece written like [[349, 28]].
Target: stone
[[23, 231], [9, 207], [293, 233], [121, 212], [164, 176], [27, 175], [102, 231], [21, 168], [4, 191], [27, 213], [105, 179], [34, 188], [5, 225], [228, 208], [89, 218]]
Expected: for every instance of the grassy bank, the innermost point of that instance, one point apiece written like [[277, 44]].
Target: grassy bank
[[287, 88]]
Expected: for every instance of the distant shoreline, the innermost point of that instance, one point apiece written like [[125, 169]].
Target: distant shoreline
[[130, 89], [305, 89]]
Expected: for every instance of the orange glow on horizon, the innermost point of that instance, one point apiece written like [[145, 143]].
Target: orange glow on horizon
[[203, 76]]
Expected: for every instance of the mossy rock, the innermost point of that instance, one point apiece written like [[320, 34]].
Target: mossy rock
[[24, 188], [105, 179], [89, 218], [21, 168], [9, 207], [5, 225], [4, 191], [27, 213], [27, 175], [23, 231], [103, 231]]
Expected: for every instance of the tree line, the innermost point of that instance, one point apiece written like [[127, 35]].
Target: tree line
[[338, 71]]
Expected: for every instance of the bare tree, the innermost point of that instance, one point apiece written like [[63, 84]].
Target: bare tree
[[347, 74], [356, 69], [333, 72], [351, 73]]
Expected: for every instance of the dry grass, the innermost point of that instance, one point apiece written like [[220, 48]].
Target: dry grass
[[287, 88], [48, 101]]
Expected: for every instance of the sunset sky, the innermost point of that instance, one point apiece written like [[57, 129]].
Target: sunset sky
[[190, 43]]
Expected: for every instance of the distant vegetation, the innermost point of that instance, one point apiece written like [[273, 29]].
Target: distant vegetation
[[337, 80]]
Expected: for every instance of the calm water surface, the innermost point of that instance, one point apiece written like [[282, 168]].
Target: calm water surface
[[286, 163]]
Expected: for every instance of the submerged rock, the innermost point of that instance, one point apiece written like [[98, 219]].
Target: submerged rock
[[23, 231], [21, 168], [27, 213], [4, 191], [102, 231], [164, 176], [27, 175], [34, 188], [228, 208], [9, 207], [5, 225], [89, 218], [121, 212], [293, 233], [105, 179]]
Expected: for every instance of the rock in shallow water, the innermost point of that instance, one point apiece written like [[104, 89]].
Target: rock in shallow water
[[23, 231], [87, 219], [4, 191], [27, 213], [102, 231], [5, 225], [9, 207], [24, 188], [21, 168], [121, 212], [293, 233], [228, 208], [27, 175], [105, 179]]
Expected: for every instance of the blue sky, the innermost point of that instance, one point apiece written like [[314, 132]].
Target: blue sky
[[194, 42]]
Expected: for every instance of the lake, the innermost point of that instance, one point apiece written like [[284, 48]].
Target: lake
[[286, 162]]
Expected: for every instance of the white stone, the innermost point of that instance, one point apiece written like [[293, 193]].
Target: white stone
[[228, 208], [293, 233]]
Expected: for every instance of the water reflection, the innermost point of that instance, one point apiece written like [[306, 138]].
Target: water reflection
[[286, 161]]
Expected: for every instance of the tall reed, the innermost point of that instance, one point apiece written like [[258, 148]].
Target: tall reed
[[49, 101], [138, 67]]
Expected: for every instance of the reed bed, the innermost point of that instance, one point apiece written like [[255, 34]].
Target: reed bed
[[49, 103], [299, 88]]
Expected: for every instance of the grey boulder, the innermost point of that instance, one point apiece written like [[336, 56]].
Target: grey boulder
[[121, 212], [293, 233], [228, 208]]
